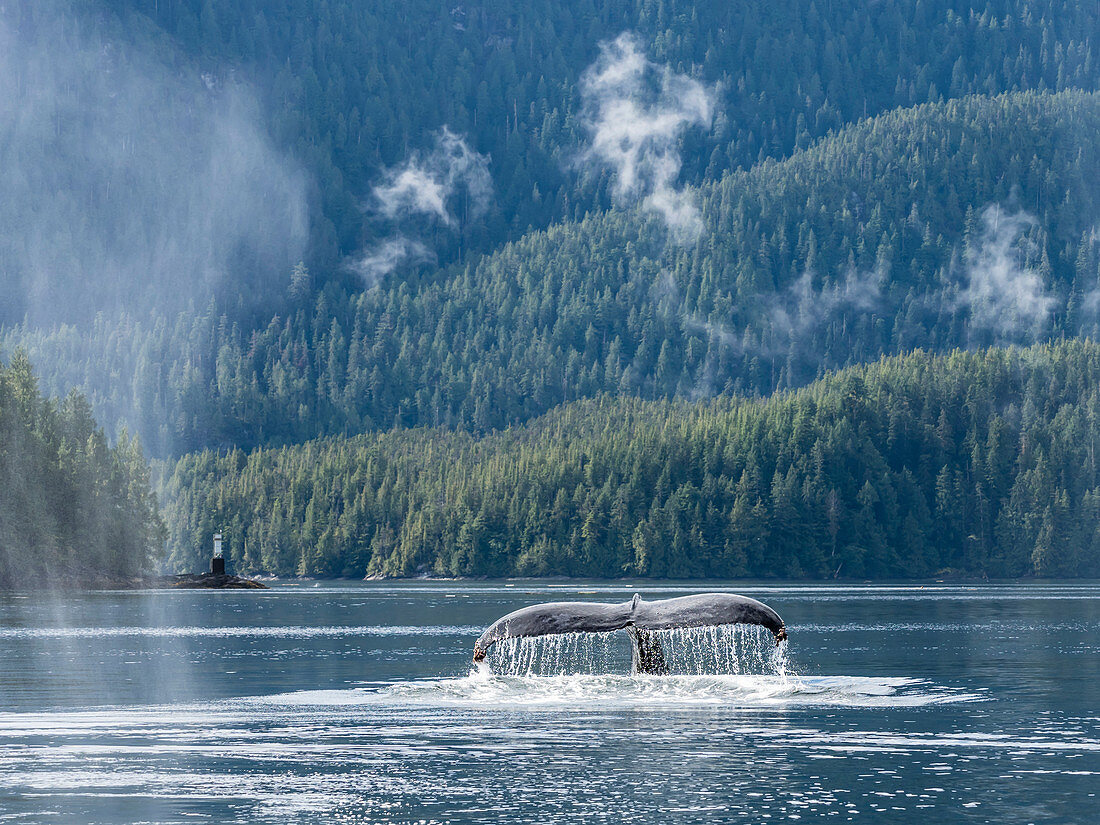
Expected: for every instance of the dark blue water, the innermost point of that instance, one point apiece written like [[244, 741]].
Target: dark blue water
[[356, 703]]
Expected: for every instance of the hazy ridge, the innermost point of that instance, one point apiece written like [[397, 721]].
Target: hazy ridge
[[243, 225]]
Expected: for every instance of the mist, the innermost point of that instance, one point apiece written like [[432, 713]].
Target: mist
[[130, 182], [448, 185], [1005, 292], [635, 112], [792, 314], [792, 317], [428, 183], [802, 309], [380, 260]]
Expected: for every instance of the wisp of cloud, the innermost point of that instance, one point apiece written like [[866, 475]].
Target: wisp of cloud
[[635, 112], [804, 309], [1004, 294], [793, 316], [384, 257], [428, 183], [425, 187]]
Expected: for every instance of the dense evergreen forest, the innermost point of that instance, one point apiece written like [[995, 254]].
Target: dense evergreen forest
[[72, 508], [350, 86], [280, 239], [850, 165], [975, 462], [962, 223]]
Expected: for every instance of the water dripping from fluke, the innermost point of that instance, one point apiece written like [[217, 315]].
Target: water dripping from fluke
[[727, 650], [708, 633], [703, 650]]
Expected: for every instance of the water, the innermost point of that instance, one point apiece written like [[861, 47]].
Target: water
[[732, 650], [357, 704]]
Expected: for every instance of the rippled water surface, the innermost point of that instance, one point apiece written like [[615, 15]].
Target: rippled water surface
[[356, 703]]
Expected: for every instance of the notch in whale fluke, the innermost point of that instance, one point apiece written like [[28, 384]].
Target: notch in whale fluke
[[702, 610]]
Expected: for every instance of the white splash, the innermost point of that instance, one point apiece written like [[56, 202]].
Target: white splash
[[483, 690], [729, 649]]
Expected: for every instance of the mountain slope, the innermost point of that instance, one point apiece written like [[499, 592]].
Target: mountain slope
[[351, 87], [983, 462], [957, 224]]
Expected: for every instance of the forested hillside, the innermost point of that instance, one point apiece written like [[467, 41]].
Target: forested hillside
[[350, 87], [962, 223], [978, 462], [71, 506], [378, 234], [812, 254]]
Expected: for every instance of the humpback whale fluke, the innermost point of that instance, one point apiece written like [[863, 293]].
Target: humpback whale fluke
[[641, 617]]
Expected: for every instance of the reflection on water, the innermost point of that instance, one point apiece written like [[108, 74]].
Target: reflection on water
[[359, 704], [29, 633]]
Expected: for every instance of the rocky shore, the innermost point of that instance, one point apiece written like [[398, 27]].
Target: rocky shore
[[209, 580], [103, 581]]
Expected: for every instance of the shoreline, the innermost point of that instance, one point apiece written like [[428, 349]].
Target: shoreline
[[211, 581], [100, 581]]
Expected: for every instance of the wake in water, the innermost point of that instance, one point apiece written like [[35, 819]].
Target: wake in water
[[730, 666], [485, 690]]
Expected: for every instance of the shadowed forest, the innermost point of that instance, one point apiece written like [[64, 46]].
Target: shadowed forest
[[613, 288]]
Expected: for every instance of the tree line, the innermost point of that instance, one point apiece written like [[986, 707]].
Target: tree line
[[72, 507], [981, 463]]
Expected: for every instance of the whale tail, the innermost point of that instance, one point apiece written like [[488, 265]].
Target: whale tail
[[642, 618]]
